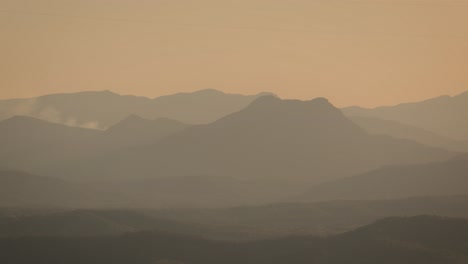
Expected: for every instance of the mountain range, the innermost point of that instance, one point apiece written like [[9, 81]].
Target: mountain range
[[396, 129], [244, 223], [269, 151], [445, 115], [102, 109], [270, 139], [403, 240], [35, 145], [209, 177], [438, 178]]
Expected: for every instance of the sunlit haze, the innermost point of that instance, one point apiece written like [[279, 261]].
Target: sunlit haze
[[368, 53]]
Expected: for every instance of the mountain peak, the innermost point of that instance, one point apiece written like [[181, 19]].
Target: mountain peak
[[320, 100], [266, 94], [209, 92], [273, 103], [266, 99], [91, 94], [315, 116]]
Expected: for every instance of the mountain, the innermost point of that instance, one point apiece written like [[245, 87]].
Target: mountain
[[415, 229], [57, 216], [443, 115], [428, 235], [398, 130], [415, 240], [102, 109], [269, 150], [23, 189], [318, 218], [136, 131], [87, 223], [272, 138], [439, 178], [273, 144], [38, 146], [32, 144]]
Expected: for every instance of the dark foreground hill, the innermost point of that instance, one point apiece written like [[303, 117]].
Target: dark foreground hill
[[14, 223], [237, 223], [416, 240]]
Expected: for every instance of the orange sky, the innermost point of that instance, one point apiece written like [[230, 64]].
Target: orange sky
[[354, 52]]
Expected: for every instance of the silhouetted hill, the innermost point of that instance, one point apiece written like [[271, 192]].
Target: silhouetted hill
[[88, 223], [23, 189], [32, 144], [319, 218], [102, 109], [135, 131], [415, 229], [441, 178], [443, 115], [427, 232], [188, 191], [235, 223], [39, 146], [398, 130], [17, 124], [416, 240], [134, 122]]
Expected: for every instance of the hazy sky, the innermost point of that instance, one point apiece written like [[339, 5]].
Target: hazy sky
[[368, 53]]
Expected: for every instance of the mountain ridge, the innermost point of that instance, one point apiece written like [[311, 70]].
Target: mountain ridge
[[269, 140], [445, 115], [102, 109], [398, 181]]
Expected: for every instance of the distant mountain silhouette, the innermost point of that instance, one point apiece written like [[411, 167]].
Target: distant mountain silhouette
[[319, 218], [272, 141], [443, 115], [424, 232], [395, 129], [440, 178], [36, 145], [135, 131], [21, 189], [87, 223], [102, 109], [271, 149], [233, 223], [32, 144]]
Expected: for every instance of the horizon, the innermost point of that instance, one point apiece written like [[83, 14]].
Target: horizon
[[258, 93]]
